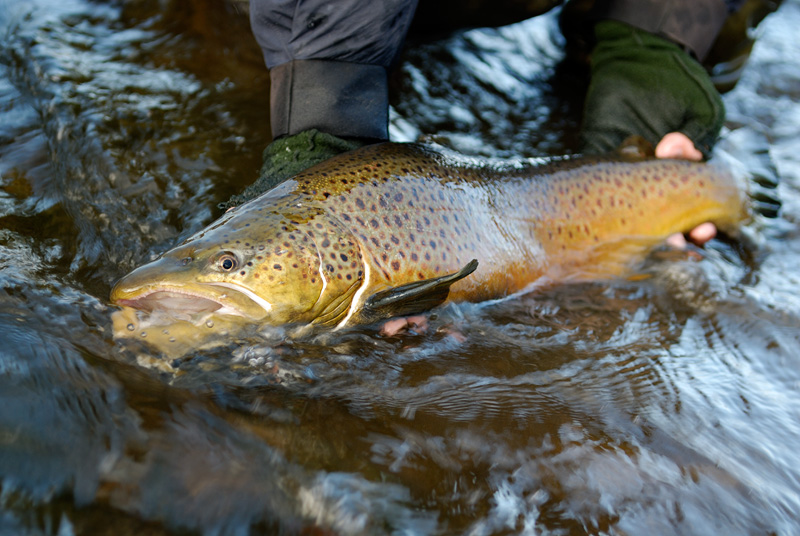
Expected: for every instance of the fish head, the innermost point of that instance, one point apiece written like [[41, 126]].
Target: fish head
[[270, 263]]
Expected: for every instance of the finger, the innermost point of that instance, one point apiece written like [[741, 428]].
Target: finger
[[676, 240], [703, 233], [677, 145], [416, 324]]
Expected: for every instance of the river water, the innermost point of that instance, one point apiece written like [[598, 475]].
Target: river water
[[668, 403]]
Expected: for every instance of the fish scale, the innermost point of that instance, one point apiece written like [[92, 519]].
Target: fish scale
[[319, 246]]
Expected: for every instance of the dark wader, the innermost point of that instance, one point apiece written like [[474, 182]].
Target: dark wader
[[328, 59]]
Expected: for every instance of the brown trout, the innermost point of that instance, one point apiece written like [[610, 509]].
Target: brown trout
[[396, 229]]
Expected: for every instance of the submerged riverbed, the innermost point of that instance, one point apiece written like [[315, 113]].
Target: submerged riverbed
[[663, 404]]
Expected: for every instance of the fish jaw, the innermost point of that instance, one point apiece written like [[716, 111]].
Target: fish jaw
[[169, 299], [147, 289]]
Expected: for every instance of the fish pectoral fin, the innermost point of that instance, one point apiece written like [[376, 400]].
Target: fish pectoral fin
[[411, 298]]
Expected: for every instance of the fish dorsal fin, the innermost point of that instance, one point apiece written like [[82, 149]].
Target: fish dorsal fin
[[636, 147], [411, 298]]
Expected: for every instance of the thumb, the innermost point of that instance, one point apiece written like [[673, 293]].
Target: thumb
[[677, 145]]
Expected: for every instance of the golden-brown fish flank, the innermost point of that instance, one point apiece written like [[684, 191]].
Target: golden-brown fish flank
[[393, 229]]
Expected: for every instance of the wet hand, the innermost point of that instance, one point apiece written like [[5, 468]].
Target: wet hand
[[678, 145], [415, 325]]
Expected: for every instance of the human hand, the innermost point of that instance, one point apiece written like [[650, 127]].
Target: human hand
[[645, 85], [678, 145]]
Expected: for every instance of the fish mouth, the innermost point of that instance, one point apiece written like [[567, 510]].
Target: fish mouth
[[171, 300], [182, 302]]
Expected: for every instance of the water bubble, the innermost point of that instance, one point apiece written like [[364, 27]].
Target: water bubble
[[166, 332], [143, 334], [209, 323], [172, 339], [131, 327]]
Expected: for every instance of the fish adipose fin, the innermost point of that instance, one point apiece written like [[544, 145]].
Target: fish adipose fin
[[636, 147], [412, 298]]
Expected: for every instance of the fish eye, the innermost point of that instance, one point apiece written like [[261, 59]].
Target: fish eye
[[227, 262]]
